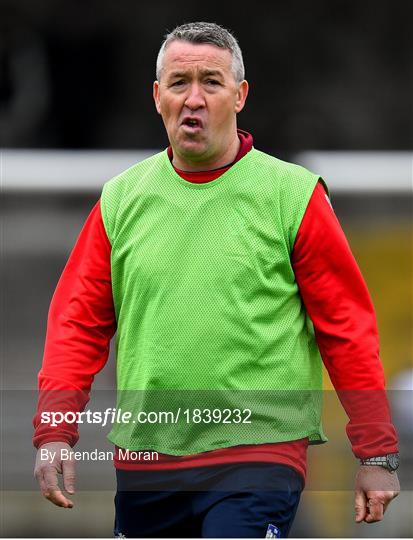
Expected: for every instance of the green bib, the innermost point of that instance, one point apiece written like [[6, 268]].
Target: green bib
[[209, 316]]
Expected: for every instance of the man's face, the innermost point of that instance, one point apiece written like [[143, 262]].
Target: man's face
[[198, 99]]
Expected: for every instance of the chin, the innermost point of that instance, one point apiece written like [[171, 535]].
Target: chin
[[191, 149]]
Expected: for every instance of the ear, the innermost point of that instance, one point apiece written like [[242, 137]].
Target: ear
[[242, 94], [156, 96]]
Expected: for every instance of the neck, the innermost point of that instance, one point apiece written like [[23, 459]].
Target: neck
[[185, 164]]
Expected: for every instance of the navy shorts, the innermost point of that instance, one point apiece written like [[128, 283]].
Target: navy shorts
[[241, 500]]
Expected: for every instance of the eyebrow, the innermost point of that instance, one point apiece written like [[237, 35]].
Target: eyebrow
[[205, 73]]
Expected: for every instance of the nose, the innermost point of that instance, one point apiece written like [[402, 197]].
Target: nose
[[195, 98]]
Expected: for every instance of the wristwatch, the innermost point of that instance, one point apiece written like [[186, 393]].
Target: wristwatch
[[389, 462]]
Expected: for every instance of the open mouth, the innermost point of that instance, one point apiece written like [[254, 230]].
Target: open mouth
[[192, 124]]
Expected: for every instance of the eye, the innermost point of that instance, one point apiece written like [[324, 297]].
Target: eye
[[180, 82], [212, 82]]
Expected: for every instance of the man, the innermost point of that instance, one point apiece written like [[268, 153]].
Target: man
[[203, 258]]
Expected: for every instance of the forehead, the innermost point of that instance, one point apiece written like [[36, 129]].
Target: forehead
[[181, 55]]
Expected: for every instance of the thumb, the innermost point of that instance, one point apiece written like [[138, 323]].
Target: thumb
[[360, 505], [69, 475]]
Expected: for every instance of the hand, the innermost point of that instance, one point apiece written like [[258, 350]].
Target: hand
[[48, 465], [375, 488]]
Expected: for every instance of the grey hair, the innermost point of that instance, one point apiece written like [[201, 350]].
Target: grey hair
[[205, 32]]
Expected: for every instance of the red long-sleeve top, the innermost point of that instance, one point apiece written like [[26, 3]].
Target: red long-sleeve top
[[82, 321]]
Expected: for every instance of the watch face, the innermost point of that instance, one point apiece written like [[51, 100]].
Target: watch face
[[393, 461]]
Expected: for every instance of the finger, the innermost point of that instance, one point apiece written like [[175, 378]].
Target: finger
[[57, 498], [51, 494], [69, 476], [375, 511], [360, 505], [42, 483], [50, 478], [389, 496], [52, 490]]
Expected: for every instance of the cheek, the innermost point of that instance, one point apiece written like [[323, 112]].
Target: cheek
[[170, 108], [224, 109]]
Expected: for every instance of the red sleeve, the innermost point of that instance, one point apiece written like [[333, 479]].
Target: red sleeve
[[80, 325], [337, 300]]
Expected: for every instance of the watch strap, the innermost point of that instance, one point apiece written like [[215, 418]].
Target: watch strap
[[379, 460], [390, 461]]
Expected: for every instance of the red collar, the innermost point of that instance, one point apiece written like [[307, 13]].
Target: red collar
[[201, 177]]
